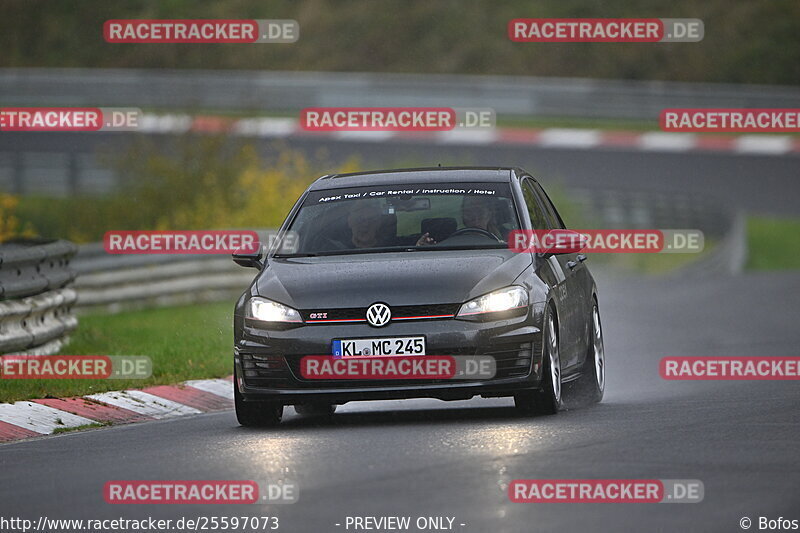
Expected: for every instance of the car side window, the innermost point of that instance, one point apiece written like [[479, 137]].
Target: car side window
[[538, 217], [549, 208]]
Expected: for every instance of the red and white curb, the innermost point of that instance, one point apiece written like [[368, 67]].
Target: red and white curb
[[571, 138], [33, 418]]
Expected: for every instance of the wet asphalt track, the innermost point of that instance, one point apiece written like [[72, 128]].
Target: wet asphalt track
[[431, 458]]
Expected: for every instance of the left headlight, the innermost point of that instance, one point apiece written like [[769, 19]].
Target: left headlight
[[268, 311], [513, 297]]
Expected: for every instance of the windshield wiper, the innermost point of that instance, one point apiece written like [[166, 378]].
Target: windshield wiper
[[352, 251], [435, 247], [309, 254], [347, 251]]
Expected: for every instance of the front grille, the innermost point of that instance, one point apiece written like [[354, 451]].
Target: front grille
[[400, 312]]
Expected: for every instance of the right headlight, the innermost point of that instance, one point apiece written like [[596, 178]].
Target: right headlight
[[513, 297], [268, 311]]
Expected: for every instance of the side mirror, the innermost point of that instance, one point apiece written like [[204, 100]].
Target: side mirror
[[249, 258], [565, 241]]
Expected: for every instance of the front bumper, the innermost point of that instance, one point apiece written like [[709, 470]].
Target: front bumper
[[267, 360]]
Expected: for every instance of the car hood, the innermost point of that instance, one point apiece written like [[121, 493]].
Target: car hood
[[409, 278]]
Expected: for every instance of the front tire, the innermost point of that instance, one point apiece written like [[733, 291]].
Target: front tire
[[546, 400], [590, 387], [255, 414]]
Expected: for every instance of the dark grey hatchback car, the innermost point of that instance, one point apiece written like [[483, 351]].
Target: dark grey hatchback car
[[413, 263]]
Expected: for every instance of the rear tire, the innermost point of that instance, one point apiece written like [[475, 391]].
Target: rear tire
[[590, 387], [546, 400], [255, 414], [315, 409]]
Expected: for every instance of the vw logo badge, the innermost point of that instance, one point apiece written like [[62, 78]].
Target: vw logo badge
[[378, 315]]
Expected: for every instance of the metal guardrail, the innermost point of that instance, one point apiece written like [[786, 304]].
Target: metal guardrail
[[290, 91], [728, 257], [613, 208], [35, 300], [724, 229], [121, 282]]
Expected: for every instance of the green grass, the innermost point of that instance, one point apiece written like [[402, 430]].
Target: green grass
[[79, 428], [604, 124], [191, 342], [773, 243], [577, 123]]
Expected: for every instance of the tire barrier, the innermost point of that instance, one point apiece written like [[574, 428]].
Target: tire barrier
[[36, 302]]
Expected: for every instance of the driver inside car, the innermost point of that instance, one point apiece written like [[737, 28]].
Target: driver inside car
[[476, 212]]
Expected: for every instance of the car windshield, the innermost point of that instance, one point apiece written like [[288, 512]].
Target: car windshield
[[412, 217]]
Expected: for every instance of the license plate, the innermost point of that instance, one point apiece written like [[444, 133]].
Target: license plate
[[379, 347]]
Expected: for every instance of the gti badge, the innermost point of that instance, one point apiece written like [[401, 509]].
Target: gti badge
[[378, 315]]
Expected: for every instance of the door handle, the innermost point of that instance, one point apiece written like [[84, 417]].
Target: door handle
[[572, 264], [582, 258]]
